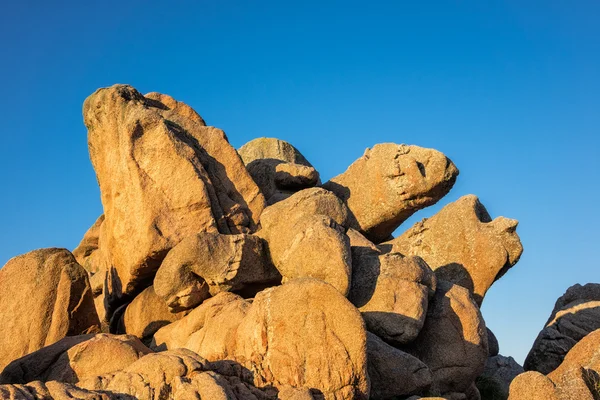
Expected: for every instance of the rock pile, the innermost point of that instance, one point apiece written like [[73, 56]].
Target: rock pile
[[223, 274]]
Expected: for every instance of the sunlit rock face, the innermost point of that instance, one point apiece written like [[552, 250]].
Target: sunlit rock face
[[163, 175], [463, 245], [391, 182]]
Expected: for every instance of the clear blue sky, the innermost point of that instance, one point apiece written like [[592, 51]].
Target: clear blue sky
[[510, 90]]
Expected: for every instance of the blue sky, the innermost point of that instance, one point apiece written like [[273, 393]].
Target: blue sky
[[509, 90]]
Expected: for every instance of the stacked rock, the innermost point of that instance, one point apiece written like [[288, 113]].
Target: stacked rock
[[223, 274]]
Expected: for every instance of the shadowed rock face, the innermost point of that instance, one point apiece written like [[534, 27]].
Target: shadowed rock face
[[44, 296], [453, 341], [576, 314], [145, 150], [463, 245], [389, 183]]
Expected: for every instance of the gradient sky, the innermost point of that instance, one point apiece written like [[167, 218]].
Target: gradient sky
[[509, 90]]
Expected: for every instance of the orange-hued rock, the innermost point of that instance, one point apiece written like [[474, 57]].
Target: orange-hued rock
[[389, 183], [278, 168], [208, 330], [163, 176], [392, 292], [44, 296], [178, 374], [575, 314], [453, 341], [532, 385], [74, 358], [305, 334], [53, 390], [146, 314], [463, 245], [84, 253], [206, 264]]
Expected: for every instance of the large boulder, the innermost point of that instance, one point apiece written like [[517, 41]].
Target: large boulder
[[453, 341], [205, 264], [74, 358], [463, 245], [281, 337], [146, 314], [576, 314], [163, 176], [208, 330], [271, 149], [389, 183], [392, 292], [44, 296], [306, 237], [394, 373], [305, 334], [533, 385]]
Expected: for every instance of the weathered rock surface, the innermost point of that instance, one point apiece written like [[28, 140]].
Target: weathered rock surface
[[532, 385], [453, 341], [283, 338], [493, 345], [176, 374], [163, 176], [74, 358], [389, 183], [206, 264], [44, 296], [497, 376], [576, 314], [208, 330], [463, 245], [54, 390], [394, 373], [84, 253], [146, 314], [271, 148], [392, 292]]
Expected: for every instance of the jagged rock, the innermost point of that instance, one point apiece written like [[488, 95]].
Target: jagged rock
[[74, 358], [176, 374], [54, 391], [497, 376], [146, 314], [314, 246], [205, 264], [271, 148], [84, 253], [389, 183], [453, 341], [576, 314], [208, 330], [493, 345], [392, 292], [463, 245], [163, 176], [44, 296], [305, 334], [394, 373]]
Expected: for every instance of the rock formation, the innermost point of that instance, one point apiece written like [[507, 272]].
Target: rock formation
[[575, 314], [192, 285]]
